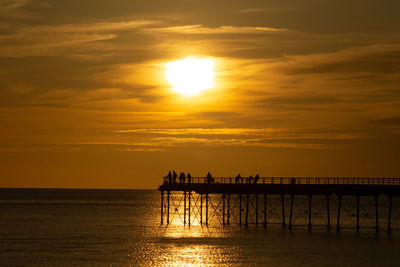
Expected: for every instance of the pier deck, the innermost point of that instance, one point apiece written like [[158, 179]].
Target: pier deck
[[246, 200]]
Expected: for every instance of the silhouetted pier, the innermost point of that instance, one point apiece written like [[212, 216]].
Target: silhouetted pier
[[292, 201]]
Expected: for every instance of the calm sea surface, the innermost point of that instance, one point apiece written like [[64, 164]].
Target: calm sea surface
[[122, 227]]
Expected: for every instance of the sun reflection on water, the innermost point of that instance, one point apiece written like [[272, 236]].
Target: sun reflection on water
[[195, 246]]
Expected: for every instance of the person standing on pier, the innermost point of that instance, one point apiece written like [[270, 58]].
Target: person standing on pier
[[237, 178], [256, 178], [189, 178], [174, 175], [168, 178], [250, 179], [209, 178], [182, 177]]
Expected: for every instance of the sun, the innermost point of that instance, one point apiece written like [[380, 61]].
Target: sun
[[190, 76]]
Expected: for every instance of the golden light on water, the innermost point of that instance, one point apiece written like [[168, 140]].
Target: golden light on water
[[190, 76]]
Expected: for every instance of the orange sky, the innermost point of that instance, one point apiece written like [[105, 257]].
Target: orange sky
[[303, 88]]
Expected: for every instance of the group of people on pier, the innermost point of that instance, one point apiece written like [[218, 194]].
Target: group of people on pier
[[171, 177], [208, 179], [249, 180]]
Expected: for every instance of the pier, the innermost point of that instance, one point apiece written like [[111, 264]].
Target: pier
[[329, 202]]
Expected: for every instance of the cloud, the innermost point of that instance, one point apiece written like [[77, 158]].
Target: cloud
[[243, 137], [164, 139], [7, 5], [20, 9], [201, 29], [250, 10], [202, 131], [44, 40], [90, 27], [390, 122], [375, 58], [269, 9]]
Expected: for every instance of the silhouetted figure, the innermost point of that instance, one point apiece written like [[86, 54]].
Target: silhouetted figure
[[168, 178], [174, 175], [209, 178], [189, 178], [250, 179], [293, 181], [256, 178], [182, 177], [237, 178]]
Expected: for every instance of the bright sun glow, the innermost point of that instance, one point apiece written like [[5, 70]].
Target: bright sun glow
[[190, 76]]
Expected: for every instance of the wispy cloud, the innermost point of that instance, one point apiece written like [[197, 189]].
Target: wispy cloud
[[340, 61], [20, 9], [202, 131], [104, 26], [43, 39], [244, 137], [7, 5], [201, 29], [264, 9]]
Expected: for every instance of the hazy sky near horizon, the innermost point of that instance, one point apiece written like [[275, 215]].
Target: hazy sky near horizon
[[303, 88]]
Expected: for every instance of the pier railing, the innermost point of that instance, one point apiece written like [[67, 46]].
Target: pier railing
[[288, 180]]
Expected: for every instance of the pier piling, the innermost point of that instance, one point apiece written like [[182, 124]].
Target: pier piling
[[309, 211], [189, 206], [223, 209], [291, 211], [358, 214], [162, 207], [168, 197], [376, 214], [201, 208], [283, 210], [247, 210], [206, 209], [265, 210], [229, 209], [338, 213], [256, 209], [328, 213], [390, 215], [184, 208], [240, 209]]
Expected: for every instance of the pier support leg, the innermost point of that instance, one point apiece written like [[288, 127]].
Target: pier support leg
[[338, 213], [247, 210], [240, 209], [376, 214], [228, 209], [168, 197], [184, 208], [189, 206], [207, 209], [291, 211], [328, 212], [256, 209], [358, 214], [265, 210], [390, 215], [162, 207], [309, 211], [283, 210], [201, 208], [223, 209]]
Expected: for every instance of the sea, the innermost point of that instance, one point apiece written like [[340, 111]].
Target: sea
[[70, 227]]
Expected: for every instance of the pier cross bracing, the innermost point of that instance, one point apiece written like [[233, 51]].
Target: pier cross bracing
[[331, 202]]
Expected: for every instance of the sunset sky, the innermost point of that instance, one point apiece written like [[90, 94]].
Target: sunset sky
[[302, 88]]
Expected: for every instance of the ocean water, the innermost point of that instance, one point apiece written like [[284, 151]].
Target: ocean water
[[122, 227]]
